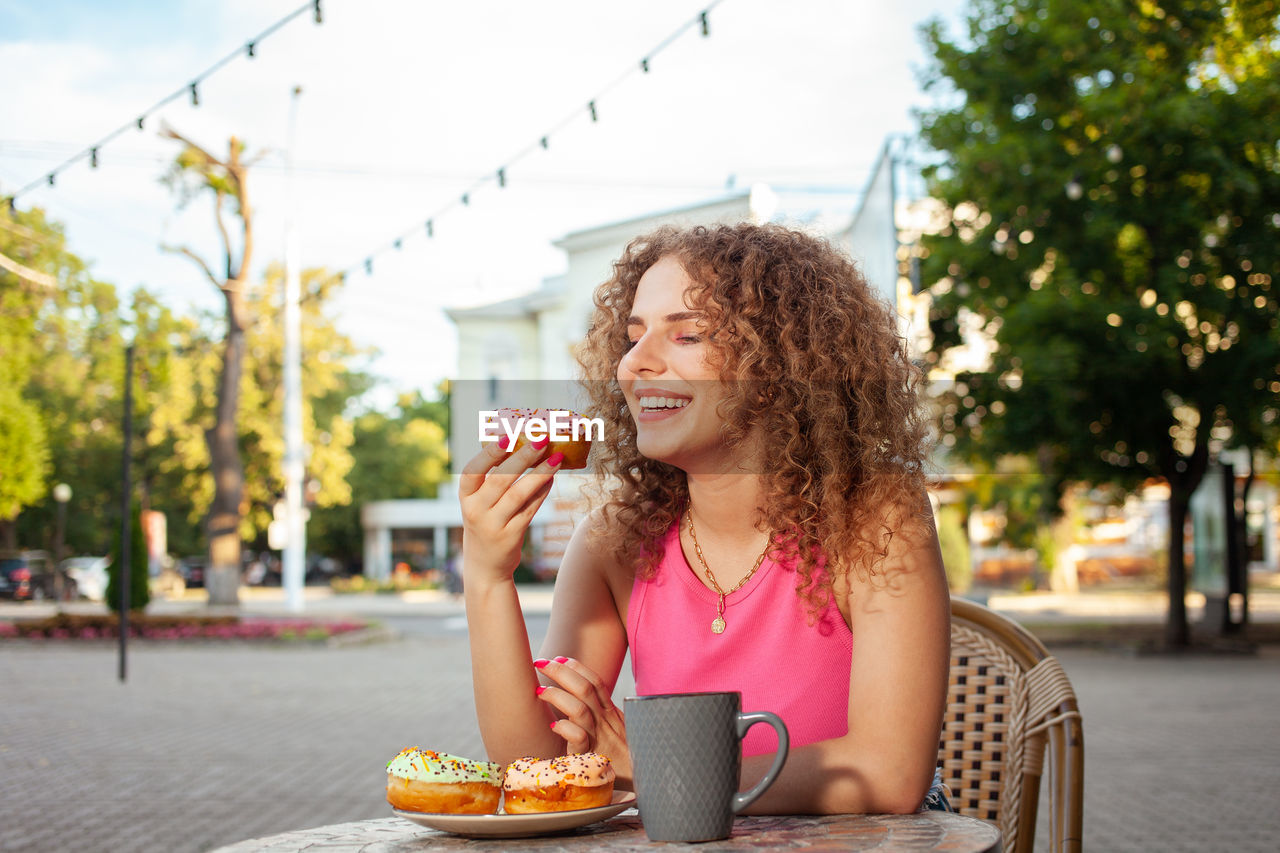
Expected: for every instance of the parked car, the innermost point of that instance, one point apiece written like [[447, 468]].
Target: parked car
[[26, 575], [89, 575], [192, 570]]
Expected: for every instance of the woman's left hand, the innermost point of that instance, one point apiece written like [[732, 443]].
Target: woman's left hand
[[590, 722]]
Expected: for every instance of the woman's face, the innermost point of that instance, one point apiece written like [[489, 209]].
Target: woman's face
[[670, 376]]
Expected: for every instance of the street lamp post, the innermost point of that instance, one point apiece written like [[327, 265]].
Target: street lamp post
[[61, 495], [295, 549]]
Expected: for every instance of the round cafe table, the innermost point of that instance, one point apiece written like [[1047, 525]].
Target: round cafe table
[[925, 831]]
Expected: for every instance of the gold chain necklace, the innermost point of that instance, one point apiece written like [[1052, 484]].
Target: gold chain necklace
[[717, 627]]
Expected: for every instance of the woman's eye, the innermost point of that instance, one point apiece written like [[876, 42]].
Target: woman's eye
[[689, 339]]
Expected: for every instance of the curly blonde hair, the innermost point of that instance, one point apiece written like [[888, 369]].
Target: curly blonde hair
[[820, 369]]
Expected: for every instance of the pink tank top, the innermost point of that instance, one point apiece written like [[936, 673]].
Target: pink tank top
[[769, 650]]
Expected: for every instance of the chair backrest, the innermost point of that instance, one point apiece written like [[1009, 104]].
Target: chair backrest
[[1009, 707]]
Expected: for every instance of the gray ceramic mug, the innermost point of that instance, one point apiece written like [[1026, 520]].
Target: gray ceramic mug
[[686, 754]]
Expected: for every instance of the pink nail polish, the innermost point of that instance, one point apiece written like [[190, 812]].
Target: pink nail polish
[[541, 662], [540, 690], [553, 726], [562, 660], [555, 459], [538, 445], [503, 442]]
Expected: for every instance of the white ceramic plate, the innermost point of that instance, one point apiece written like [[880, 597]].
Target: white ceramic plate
[[519, 825]]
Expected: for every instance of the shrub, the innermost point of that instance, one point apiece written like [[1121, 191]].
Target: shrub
[[139, 577]]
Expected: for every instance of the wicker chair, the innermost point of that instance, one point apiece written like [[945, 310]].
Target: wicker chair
[[1008, 705]]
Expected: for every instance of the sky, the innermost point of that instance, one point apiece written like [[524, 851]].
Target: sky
[[408, 104]]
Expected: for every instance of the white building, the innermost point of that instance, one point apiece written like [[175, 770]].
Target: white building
[[519, 353]]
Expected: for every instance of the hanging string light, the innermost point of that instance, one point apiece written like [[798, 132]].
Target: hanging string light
[[544, 141], [191, 89]]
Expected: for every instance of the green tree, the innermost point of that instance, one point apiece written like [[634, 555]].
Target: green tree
[[1111, 179], [40, 281], [329, 384], [400, 455]]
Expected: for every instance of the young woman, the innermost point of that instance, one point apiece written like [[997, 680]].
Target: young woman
[[764, 526]]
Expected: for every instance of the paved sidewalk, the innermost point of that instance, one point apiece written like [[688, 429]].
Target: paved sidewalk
[[209, 744]]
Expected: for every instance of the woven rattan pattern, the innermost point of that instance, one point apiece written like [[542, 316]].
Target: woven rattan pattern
[[983, 735]]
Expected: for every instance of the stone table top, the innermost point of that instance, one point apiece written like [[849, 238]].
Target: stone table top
[[925, 831]]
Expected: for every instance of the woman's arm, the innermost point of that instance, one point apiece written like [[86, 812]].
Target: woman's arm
[[897, 693], [497, 506]]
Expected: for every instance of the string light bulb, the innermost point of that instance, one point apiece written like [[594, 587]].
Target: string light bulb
[[644, 65], [706, 25], [93, 157], [249, 48], [368, 266], [592, 108], [195, 93], [141, 121], [466, 199], [502, 177], [319, 14], [431, 228], [397, 244], [545, 143], [51, 176]]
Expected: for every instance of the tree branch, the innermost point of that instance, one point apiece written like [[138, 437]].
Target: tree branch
[[170, 133], [199, 261], [222, 229], [34, 276]]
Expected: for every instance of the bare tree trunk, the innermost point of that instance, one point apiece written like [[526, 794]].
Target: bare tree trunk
[[222, 525]]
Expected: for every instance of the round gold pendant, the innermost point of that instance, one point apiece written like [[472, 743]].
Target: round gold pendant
[[717, 627]]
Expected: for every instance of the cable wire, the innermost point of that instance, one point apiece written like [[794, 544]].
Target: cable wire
[[192, 88], [499, 174]]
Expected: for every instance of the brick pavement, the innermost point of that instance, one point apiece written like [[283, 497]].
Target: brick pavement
[[209, 744]]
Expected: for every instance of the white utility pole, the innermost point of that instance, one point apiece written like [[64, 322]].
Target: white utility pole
[[295, 548]]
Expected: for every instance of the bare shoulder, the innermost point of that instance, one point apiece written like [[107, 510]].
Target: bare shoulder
[[910, 572], [592, 561]]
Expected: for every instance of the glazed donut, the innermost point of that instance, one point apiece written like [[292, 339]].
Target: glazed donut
[[422, 780], [557, 784], [562, 421]]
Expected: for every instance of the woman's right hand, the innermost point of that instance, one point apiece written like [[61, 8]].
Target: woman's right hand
[[498, 504]]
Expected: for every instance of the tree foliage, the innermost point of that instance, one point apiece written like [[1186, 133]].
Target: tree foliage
[[404, 454], [1110, 178]]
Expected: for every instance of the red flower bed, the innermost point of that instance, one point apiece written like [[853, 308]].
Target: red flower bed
[[64, 626]]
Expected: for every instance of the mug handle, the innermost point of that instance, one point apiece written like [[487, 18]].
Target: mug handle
[[746, 721]]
